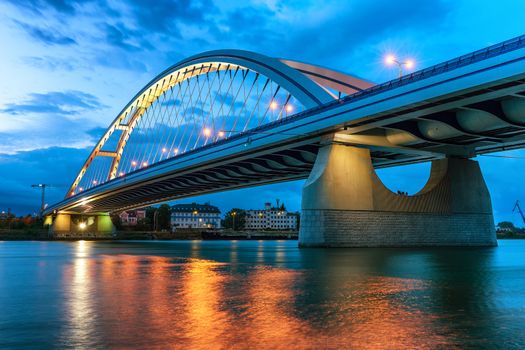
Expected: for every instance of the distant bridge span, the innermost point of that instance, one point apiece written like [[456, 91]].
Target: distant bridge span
[[231, 119]]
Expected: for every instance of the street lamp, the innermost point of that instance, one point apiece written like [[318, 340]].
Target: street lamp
[[234, 214], [391, 60]]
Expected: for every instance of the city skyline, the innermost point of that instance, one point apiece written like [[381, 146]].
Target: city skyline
[[66, 83]]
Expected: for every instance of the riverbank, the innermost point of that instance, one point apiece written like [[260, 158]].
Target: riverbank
[[43, 235]]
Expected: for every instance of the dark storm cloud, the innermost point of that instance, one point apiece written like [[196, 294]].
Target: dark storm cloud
[[55, 102], [46, 35]]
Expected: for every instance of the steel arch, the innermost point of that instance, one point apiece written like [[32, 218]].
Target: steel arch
[[307, 91]]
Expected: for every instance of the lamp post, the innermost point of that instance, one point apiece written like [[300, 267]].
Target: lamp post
[[391, 59], [234, 214], [43, 188]]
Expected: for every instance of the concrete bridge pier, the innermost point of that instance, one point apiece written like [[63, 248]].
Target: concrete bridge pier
[[80, 225], [345, 204]]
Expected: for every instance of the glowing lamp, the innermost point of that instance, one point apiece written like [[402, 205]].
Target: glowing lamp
[[273, 105], [121, 173], [390, 59], [144, 164], [164, 150], [206, 132], [82, 225], [94, 182], [134, 163], [289, 108], [409, 64], [176, 151]]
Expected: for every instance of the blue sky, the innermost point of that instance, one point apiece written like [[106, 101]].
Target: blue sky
[[68, 67]]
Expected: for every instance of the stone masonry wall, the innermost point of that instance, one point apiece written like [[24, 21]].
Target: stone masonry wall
[[343, 228]]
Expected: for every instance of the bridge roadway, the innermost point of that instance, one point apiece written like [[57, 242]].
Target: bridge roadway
[[471, 105]]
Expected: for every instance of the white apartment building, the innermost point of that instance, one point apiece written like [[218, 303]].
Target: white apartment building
[[270, 219], [195, 216]]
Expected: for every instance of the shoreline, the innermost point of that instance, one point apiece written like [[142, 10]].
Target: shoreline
[[42, 235]]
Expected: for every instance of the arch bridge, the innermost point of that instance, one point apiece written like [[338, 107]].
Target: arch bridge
[[229, 119]]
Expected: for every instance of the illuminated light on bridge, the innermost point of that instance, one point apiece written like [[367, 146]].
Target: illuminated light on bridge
[[144, 164], [220, 133], [164, 150], [176, 151], [95, 182], [390, 59], [82, 225], [121, 173], [340, 129], [289, 108]]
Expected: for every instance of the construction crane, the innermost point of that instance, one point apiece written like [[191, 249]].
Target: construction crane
[[43, 203], [518, 208]]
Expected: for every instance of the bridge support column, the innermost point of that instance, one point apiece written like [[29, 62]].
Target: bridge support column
[[97, 225], [345, 204]]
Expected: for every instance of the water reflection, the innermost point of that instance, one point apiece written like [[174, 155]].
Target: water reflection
[[80, 317], [239, 295]]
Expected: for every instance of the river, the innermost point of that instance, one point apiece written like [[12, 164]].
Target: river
[[259, 295]]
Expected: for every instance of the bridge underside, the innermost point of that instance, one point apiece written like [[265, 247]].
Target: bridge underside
[[284, 165]]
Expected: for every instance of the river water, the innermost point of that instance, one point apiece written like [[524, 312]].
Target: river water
[[259, 295]]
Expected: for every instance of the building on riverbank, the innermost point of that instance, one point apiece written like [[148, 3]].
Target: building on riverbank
[[195, 216], [270, 218], [132, 217]]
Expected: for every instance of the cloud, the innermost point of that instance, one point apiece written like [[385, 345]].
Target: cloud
[[339, 30], [163, 16], [130, 40], [55, 102], [62, 6], [50, 63], [47, 36], [57, 166]]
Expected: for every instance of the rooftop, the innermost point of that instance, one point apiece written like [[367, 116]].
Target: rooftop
[[201, 208]]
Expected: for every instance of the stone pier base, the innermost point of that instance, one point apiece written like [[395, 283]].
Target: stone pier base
[[346, 205]]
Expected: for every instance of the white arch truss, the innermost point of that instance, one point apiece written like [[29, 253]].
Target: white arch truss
[[202, 99]]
